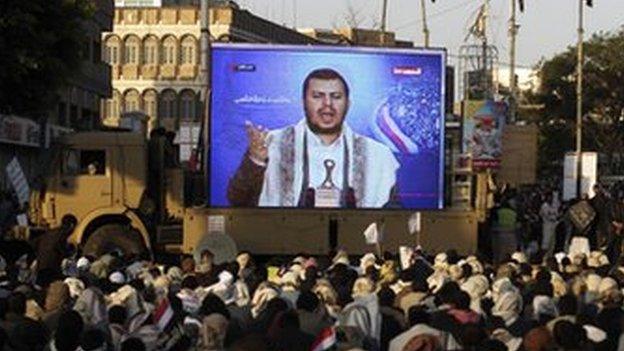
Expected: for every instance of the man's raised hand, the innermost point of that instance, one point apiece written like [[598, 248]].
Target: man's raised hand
[[258, 142]]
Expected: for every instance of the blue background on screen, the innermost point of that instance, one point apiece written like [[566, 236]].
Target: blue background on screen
[[264, 86]]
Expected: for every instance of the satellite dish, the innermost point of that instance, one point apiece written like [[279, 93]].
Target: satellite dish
[[221, 245]]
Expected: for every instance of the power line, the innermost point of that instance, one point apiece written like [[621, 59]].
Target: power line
[[500, 63], [435, 14]]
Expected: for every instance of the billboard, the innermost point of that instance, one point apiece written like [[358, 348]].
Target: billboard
[[589, 175], [326, 127], [483, 128]]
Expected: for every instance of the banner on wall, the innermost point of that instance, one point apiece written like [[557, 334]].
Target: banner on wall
[[589, 174], [483, 128]]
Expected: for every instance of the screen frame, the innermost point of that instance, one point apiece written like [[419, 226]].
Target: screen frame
[[431, 51]]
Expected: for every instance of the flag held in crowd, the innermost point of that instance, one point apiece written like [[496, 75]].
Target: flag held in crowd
[[373, 234], [325, 340]]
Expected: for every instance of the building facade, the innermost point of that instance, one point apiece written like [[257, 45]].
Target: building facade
[[154, 55], [355, 36], [79, 101]]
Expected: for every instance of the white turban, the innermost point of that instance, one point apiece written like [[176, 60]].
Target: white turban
[[544, 305], [508, 307]]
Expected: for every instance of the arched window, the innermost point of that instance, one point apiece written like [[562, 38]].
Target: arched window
[[188, 50], [132, 101], [113, 48], [187, 110], [169, 51], [150, 50], [169, 106], [112, 105], [131, 50], [150, 100]]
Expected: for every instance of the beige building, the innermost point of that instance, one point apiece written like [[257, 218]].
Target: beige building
[[355, 36], [154, 54]]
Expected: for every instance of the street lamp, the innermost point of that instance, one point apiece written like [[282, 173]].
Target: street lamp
[[579, 99], [424, 19], [513, 32]]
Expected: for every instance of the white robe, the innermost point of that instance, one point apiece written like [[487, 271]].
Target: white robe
[[372, 172], [549, 214]]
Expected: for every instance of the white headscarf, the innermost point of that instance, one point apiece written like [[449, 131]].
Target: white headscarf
[[128, 297], [191, 301], [366, 261], [224, 288], [476, 286], [76, 287], [436, 280], [502, 286], [91, 306], [264, 293], [508, 307], [544, 305]]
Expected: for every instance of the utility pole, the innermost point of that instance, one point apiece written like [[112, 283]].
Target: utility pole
[[384, 13], [486, 78], [295, 14], [513, 31], [424, 19], [579, 103], [206, 82]]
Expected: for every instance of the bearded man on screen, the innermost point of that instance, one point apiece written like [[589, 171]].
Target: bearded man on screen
[[318, 162]]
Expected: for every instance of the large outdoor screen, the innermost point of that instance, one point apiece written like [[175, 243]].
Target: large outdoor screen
[[326, 127]]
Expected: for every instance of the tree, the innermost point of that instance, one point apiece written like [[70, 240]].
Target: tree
[[603, 100], [40, 45]]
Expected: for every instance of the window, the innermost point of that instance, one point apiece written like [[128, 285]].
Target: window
[[112, 55], [131, 50], [188, 105], [113, 46], [149, 103], [150, 47], [108, 108], [169, 107], [84, 162], [114, 113], [131, 101], [187, 53], [168, 53]]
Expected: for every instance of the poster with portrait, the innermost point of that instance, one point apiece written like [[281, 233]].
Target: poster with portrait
[[326, 127], [482, 132]]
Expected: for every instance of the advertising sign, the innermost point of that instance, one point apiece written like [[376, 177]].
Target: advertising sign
[[330, 127], [19, 131], [588, 178], [18, 180], [483, 126]]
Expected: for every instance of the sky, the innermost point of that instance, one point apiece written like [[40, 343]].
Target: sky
[[546, 27]]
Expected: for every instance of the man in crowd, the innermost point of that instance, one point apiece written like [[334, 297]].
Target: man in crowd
[[614, 241], [601, 203], [318, 162], [550, 218], [115, 303]]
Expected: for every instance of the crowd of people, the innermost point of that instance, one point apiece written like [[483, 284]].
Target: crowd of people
[[424, 302], [541, 295], [536, 218]]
